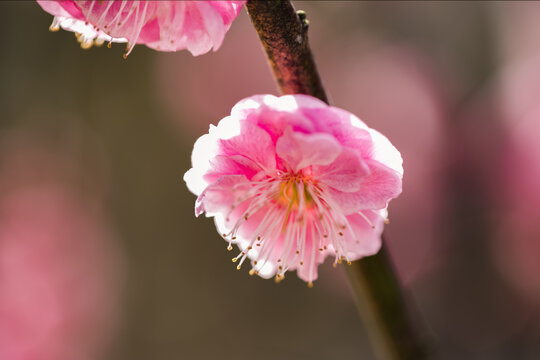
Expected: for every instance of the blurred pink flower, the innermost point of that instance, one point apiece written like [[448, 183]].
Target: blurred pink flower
[[516, 91], [197, 26], [291, 180], [59, 264], [517, 243]]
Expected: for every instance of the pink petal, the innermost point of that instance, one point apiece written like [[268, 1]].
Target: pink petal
[[197, 26], [61, 8], [376, 189], [274, 122], [205, 148], [345, 127], [219, 196], [367, 233], [231, 165], [212, 21], [312, 258], [246, 139], [300, 150], [195, 36], [384, 152], [270, 113], [345, 173]]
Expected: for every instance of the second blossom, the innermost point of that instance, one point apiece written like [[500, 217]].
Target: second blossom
[[197, 26]]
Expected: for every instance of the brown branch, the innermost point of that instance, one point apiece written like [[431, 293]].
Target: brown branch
[[283, 34], [378, 294]]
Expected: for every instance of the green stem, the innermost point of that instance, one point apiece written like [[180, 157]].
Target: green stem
[[381, 304], [378, 294]]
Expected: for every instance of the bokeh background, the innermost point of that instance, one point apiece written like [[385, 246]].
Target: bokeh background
[[101, 256]]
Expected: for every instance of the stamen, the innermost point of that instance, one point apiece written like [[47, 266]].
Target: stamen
[[104, 13], [118, 14], [55, 26], [138, 27], [298, 212], [367, 219]]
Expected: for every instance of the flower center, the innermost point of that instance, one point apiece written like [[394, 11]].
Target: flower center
[[294, 192], [291, 218]]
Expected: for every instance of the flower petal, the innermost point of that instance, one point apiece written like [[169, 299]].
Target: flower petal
[[345, 173], [205, 148], [231, 165], [240, 137], [385, 153], [271, 114], [345, 127], [300, 150], [312, 258], [376, 189], [218, 197], [367, 229], [61, 8]]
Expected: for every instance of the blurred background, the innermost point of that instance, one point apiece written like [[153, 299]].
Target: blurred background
[[101, 256]]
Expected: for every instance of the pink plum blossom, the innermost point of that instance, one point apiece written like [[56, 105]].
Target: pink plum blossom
[[197, 26], [290, 180]]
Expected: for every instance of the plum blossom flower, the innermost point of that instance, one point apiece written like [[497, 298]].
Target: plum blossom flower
[[291, 180], [197, 26]]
